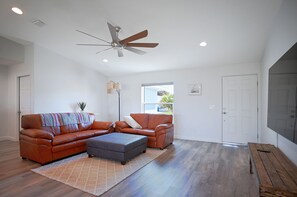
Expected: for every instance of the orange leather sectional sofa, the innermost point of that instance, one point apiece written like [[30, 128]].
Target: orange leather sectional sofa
[[157, 127], [44, 144]]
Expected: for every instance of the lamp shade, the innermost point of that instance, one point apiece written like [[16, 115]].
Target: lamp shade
[[109, 87]]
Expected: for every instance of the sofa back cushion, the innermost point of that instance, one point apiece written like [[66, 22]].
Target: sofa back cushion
[[53, 130], [70, 128], [156, 119], [141, 119]]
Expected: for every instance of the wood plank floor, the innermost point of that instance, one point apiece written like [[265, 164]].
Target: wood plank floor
[[188, 168]]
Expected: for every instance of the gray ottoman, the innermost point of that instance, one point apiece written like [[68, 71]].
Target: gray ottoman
[[116, 146]]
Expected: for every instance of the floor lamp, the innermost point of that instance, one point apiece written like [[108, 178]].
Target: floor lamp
[[111, 85]]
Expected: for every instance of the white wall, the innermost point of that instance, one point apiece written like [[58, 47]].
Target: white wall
[[11, 52], [13, 56], [3, 101], [60, 83], [283, 36], [194, 119], [14, 72], [57, 84]]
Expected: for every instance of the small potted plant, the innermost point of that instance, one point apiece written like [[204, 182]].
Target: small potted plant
[[82, 105]]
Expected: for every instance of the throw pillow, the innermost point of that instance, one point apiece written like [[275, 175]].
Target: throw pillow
[[131, 122]]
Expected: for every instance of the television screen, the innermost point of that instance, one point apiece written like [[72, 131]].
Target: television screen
[[282, 95]]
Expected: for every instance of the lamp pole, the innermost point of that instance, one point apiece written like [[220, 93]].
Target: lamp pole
[[119, 100]]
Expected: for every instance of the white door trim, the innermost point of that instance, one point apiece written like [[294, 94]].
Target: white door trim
[[19, 100]]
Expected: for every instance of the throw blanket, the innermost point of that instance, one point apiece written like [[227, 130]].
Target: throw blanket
[[60, 119], [83, 117], [68, 118], [50, 120]]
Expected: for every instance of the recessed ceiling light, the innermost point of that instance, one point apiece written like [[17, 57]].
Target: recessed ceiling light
[[105, 60], [17, 10], [203, 44]]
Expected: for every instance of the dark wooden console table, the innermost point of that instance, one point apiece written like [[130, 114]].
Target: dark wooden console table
[[277, 175]]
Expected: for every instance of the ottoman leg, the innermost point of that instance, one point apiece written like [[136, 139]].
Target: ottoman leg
[[90, 156], [144, 151], [123, 162]]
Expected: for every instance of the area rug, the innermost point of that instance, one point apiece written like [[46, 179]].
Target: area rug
[[95, 175]]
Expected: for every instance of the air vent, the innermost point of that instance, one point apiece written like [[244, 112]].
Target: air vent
[[38, 23]]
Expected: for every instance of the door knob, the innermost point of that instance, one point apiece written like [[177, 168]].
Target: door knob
[[224, 112]]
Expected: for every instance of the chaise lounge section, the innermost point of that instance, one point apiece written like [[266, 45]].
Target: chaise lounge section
[[49, 137], [157, 127]]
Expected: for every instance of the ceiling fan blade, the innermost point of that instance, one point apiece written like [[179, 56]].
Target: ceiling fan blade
[[120, 53], [92, 44], [148, 45], [134, 37], [92, 36], [139, 52], [103, 50], [113, 33]]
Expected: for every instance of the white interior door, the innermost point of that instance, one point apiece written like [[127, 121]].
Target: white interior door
[[240, 109], [24, 96]]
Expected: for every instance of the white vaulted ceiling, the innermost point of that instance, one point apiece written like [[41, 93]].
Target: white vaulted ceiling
[[236, 30]]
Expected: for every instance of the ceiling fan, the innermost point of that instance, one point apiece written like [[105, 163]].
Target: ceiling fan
[[119, 44]]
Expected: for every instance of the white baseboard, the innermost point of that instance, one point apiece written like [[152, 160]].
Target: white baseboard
[[196, 139], [8, 138]]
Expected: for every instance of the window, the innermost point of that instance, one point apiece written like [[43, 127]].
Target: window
[[157, 98]]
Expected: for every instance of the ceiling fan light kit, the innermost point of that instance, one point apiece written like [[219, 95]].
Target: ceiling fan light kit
[[119, 44]]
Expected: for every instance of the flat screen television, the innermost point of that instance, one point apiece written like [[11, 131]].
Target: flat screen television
[[282, 95]]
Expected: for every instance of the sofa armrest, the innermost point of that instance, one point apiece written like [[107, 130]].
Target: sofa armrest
[[37, 133], [121, 125], [163, 128], [102, 125]]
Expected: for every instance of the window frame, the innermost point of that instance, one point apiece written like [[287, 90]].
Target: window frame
[[143, 103]]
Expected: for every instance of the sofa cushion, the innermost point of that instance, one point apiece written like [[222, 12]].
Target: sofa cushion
[[83, 134], [131, 122], [156, 119], [63, 147], [130, 130], [65, 138], [141, 118], [69, 128], [99, 132], [146, 132], [54, 130]]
